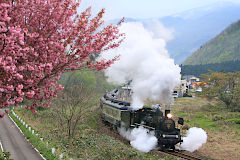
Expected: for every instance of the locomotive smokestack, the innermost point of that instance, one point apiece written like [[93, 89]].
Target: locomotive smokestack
[[167, 111]]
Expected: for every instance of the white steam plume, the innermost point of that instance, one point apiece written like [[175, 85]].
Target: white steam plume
[[145, 61], [196, 137], [158, 30], [140, 138]]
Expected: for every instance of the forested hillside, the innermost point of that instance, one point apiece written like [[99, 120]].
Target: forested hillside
[[197, 70], [225, 47]]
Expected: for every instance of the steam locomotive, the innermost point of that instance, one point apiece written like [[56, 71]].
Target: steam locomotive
[[115, 110]]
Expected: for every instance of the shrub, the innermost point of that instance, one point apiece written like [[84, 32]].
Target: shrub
[[234, 120]]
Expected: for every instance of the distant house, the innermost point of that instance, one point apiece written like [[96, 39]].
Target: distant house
[[180, 89], [193, 82], [199, 89], [187, 77], [194, 79]]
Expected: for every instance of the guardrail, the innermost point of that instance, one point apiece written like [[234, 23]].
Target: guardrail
[[34, 138]]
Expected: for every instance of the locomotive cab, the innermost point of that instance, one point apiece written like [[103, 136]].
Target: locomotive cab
[[146, 117]]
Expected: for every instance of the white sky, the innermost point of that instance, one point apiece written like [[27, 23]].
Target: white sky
[[144, 8]]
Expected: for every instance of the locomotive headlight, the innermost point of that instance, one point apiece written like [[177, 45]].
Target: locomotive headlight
[[169, 115]]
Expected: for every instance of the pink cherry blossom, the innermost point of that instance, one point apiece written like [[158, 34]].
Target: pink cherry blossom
[[34, 37]]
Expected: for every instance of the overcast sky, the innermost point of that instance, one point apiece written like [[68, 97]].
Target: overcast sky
[[145, 8]]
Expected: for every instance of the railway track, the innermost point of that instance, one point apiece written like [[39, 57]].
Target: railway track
[[176, 153], [181, 154]]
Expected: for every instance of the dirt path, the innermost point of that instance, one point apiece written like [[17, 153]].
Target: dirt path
[[14, 142]]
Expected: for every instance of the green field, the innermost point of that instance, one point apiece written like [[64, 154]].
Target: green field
[[211, 115], [1, 153], [221, 124], [93, 140]]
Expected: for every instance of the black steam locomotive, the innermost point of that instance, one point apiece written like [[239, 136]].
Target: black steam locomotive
[[115, 110]]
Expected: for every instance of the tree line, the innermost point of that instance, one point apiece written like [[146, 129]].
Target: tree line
[[223, 86], [197, 70]]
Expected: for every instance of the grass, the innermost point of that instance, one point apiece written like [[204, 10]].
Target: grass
[[5, 156], [92, 141], [234, 120], [221, 124], [35, 140], [205, 114], [1, 154]]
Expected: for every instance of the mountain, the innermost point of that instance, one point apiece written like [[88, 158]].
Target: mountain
[[195, 27], [223, 48]]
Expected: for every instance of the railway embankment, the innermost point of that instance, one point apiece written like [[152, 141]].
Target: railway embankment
[[93, 139]]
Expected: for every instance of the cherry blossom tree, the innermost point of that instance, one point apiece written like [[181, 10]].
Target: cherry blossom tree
[[40, 40]]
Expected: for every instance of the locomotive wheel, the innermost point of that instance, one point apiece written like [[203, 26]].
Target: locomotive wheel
[[114, 128], [118, 129], [173, 148], [105, 122], [160, 147]]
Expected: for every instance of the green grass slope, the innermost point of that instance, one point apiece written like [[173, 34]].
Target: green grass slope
[[224, 47], [92, 139], [221, 124]]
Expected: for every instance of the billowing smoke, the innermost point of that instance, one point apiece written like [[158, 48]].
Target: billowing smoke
[[140, 138], [145, 61], [158, 30], [195, 138]]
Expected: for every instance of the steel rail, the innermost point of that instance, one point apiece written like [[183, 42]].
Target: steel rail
[[181, 155]]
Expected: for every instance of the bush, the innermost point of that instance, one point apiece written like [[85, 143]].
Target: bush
[[234, 120], [224, 86], [187, 95], [217, 118], [4, 155]]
